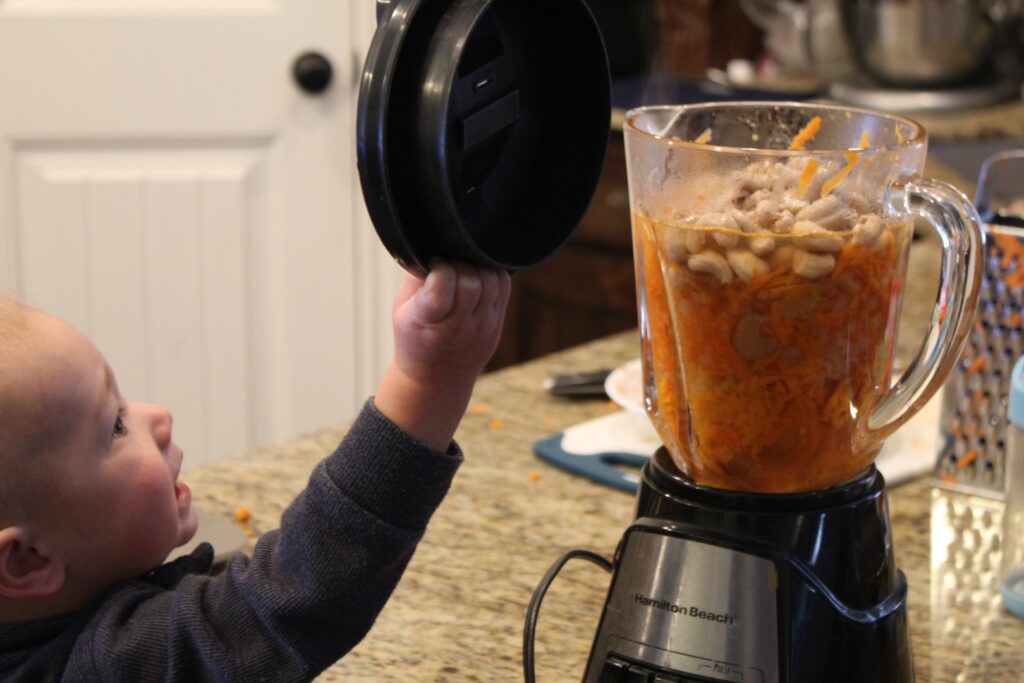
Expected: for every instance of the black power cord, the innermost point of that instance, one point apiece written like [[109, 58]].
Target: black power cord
[[530, 627]]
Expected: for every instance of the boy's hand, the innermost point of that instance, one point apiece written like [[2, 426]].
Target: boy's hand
[[446, 329]]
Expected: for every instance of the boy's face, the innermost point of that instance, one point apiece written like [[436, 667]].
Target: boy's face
[[108, 500]]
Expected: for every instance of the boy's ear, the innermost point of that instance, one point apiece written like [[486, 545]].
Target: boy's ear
[[27, 569]]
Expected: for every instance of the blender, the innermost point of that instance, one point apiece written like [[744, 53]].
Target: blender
[[771, 243]]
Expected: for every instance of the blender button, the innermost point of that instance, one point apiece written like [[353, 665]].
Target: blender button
[[638, 674], [614, 671]]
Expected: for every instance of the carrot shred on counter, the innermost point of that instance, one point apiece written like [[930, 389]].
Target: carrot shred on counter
[[242, 514], [806, 134]]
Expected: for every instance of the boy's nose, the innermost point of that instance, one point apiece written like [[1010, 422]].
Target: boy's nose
[[161, 423]]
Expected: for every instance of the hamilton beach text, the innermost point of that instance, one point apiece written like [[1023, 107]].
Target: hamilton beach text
[[694, 612]]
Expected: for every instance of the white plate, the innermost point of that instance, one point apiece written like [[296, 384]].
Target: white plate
[[625, 386]]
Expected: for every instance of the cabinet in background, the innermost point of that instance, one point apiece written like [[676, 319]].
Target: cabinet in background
[[586, 289]]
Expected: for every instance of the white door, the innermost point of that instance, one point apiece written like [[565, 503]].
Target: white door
[[166, 187]]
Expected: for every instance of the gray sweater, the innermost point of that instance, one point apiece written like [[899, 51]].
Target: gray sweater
[[310, 592]]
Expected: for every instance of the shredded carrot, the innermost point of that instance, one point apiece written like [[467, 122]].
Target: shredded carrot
[[977, 365], [480, 409], [1015, 321], [533, 476], [805, 178], [947, 479], [864, 139], [762, 385], [1012, 249], [704, 137], [242, 514], [495, 425], [969, 457], [830, 184], [806, 134]]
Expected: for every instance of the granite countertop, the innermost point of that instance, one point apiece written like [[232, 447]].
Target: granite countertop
[[457, 614]]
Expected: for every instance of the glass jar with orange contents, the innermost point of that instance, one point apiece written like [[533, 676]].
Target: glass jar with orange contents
[[771, 245]]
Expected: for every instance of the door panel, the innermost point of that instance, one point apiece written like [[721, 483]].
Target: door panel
[[166, 187]]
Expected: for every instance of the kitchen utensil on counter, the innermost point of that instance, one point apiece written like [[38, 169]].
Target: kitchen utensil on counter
[[806, 37], [924, 43], [462, 120], [974, 421], [1011, 569], [931, 55], [770, 244]]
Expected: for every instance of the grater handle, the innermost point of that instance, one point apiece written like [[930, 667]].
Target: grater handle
[[960, 229]]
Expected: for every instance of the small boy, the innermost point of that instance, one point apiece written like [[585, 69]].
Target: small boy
[[91, 505]]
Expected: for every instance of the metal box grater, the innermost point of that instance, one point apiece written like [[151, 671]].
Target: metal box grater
[[973, 419]]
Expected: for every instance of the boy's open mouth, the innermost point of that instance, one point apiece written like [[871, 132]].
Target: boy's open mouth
[[183, 494]]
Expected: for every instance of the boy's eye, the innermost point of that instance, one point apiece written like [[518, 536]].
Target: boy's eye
[[119, 428]]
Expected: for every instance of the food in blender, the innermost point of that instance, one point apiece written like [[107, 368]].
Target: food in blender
[[772, 299]]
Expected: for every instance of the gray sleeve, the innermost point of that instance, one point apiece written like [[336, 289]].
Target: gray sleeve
[[311, 590]]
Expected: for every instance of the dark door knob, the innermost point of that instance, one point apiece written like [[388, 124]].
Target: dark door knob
[[312, 72]]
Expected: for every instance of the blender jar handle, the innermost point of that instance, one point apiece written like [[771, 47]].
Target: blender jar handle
[[960, 229]]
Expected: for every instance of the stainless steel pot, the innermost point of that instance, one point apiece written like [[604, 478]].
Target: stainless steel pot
[[806, 36], [921, 43]]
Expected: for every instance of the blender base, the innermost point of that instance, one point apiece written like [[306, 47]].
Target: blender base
[[715, 585]]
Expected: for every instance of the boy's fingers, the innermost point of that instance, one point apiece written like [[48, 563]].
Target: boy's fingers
[[467, 291], [489, 290], [504, 289], [438, 294], [409, 285]]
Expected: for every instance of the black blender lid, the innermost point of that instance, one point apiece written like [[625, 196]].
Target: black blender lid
[[482, 127]]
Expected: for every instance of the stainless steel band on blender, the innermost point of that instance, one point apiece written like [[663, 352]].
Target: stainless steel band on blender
[[973, 424]]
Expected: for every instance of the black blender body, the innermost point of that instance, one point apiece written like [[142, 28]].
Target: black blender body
[[715, 585]]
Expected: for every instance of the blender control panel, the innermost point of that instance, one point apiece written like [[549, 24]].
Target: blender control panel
[[683, 611]]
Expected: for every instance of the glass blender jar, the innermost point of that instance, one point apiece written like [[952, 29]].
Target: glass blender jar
[[771, 245]]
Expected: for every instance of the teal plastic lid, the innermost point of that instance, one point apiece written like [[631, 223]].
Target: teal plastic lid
[[1016, 411]]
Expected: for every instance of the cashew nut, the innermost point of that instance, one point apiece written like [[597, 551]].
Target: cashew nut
[[713, 263], [781, 258], [726, 240], [829, 212], [744, 221], [867, 231], [746, 265], [812, 266], [694, 241], [762, 245], [812, 237], [674, 245]]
